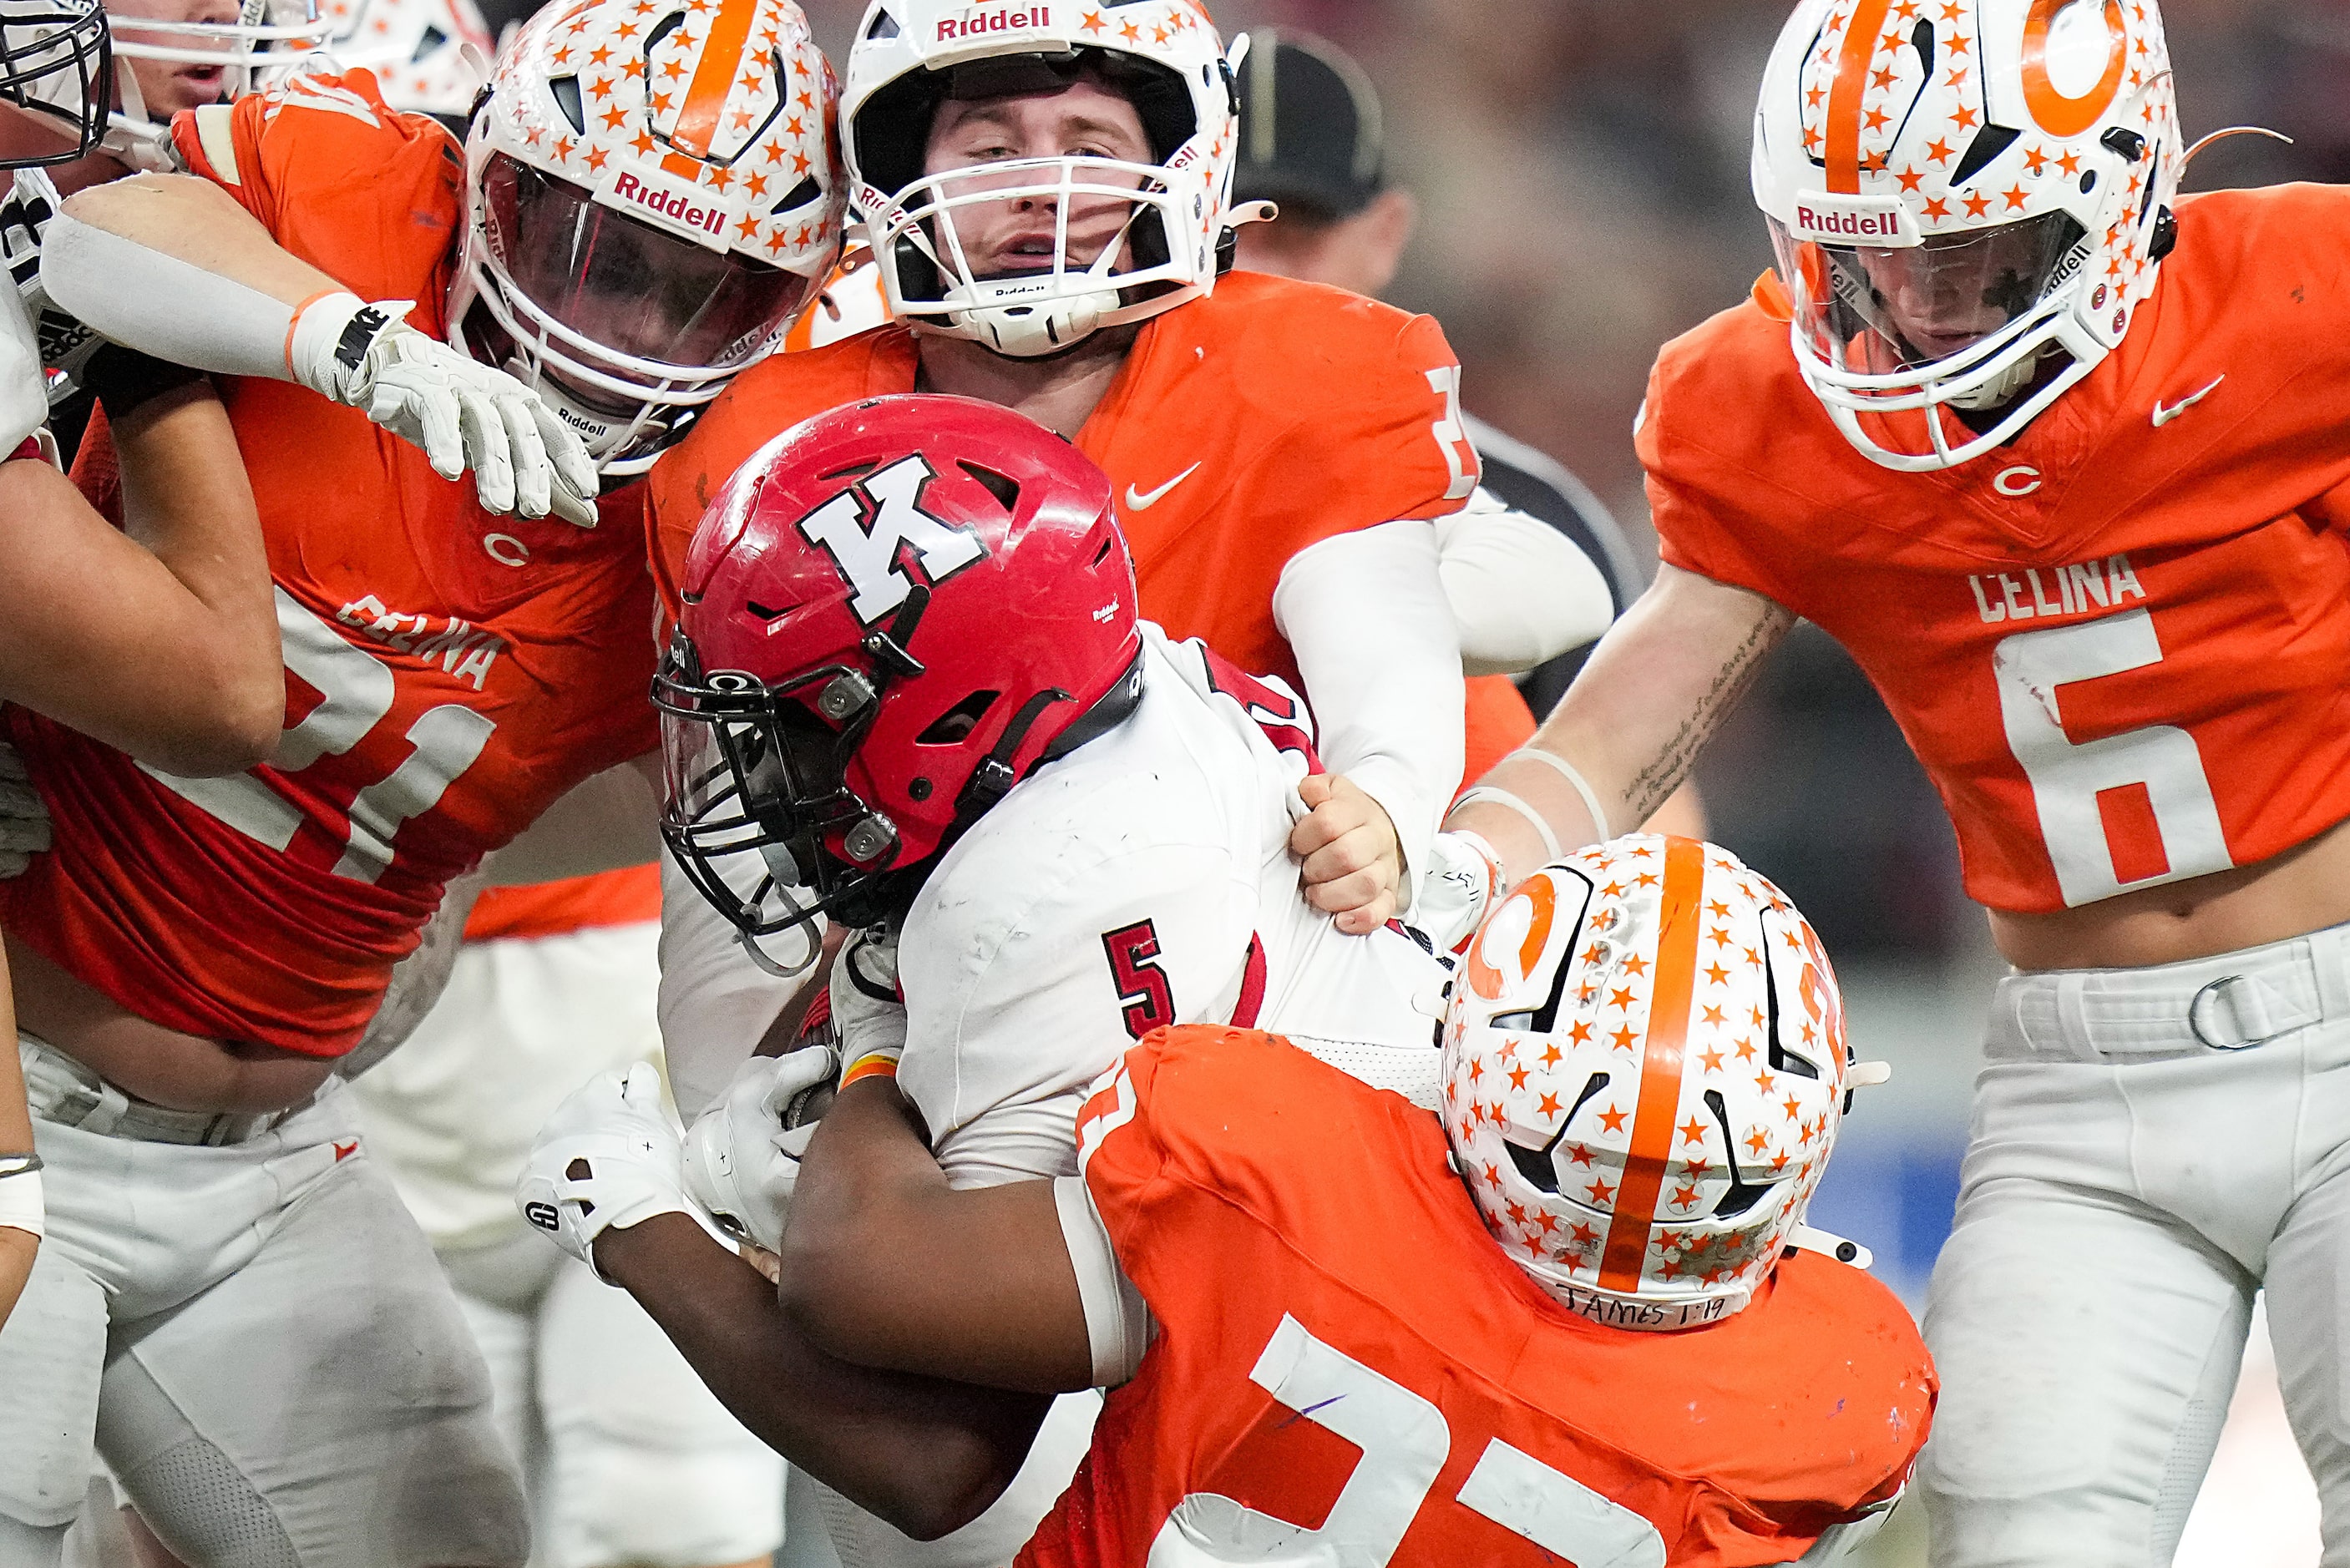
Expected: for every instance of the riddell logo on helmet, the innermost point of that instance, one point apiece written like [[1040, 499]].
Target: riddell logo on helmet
[[980, 24], [671, 205], [1852, 226]]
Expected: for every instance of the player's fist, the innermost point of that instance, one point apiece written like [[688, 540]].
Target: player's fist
[[869, 1007], [466, 416], [1352, 862], [743, 1155], [607, 1159]]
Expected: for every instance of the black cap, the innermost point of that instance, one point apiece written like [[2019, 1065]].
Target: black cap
[[1312, 134]]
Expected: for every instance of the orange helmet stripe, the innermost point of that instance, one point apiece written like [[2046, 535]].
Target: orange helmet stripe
[[713, 78], [1861, 38], [1679, 921]]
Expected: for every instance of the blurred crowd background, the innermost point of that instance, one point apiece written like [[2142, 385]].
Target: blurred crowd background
[[1581, 167]]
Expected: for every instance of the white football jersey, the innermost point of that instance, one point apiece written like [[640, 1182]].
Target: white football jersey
[[66, 345], [1143, 880]]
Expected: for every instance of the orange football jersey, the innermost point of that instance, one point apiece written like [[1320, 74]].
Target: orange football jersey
[[449, 673], [1244, 427], [629, 897], [2119, 644], [1344, 1354]]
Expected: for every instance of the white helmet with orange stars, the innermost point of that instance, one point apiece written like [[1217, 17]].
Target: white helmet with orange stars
[[428, 57], [654, 195], [1969, 200], [1129, 239], [1645, 1068]]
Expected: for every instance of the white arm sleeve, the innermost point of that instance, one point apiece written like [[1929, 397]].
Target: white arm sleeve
[[1117, 1321], [1365, 617], [714, 1004], [162, 305], [1522, 592]]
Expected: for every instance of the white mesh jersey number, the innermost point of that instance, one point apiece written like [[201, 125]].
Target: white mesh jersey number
[[2067, 777], [356, 695], [1404, 1440], [1453, 435]]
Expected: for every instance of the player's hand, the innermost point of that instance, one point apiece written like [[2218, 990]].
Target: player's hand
[[24, 820], [743, 1155], [465, 415], [607, 1159], [869, 1006], [1353, 863]]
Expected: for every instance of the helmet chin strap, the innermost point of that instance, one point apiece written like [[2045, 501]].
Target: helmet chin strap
[[993, 312], [131, 137], [2005, 387]]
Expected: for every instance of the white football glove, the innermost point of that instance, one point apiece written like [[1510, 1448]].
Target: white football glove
[[24, 820], [608, 1157], [743, 1155], [1463, 880], [869, 1007], [463, 414]]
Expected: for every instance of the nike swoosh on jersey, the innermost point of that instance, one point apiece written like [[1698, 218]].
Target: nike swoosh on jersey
[[2163, 416], [1142, 500]]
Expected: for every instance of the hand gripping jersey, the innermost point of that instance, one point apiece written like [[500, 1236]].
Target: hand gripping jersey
[[449, 674], [1142, 880], [2119, 644], [1245, 427], [1347, 1368]]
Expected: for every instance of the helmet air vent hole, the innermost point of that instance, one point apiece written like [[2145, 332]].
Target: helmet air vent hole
[[764, 612], [1003, 486], [884, 26], [1742, 1195], [854, 470], [668, 25], [1989, 143], [954, 726], [1782, 1059], [567, 97], [808, 192], [434, 37], [1101, 551], [1535, 1166]]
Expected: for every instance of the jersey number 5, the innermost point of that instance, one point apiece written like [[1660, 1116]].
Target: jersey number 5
[[1141, 983], [1405, 1442], [2132, 809], [357, 694]]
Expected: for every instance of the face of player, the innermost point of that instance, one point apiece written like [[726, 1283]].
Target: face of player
[[167, 86], [1944, 296], [1018, 235]]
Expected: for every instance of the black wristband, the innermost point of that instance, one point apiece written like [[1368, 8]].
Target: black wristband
[[123, 380]]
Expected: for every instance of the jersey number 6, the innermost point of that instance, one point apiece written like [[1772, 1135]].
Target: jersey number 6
[[2132, 809]]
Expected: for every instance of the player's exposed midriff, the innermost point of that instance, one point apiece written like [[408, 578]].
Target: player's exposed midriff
[[163, 1067], [2304, 889]]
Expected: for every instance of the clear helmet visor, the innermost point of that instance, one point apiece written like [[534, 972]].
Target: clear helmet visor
[[1918, 312], [627, 298]]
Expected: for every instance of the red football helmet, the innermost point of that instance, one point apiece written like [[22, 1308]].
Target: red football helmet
[[892, 613]]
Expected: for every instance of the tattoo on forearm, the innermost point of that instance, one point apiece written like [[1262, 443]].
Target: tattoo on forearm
[[1653, 785]]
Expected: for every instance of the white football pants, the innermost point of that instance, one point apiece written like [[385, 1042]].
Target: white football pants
[[2150, 1148], [257, 1339]]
